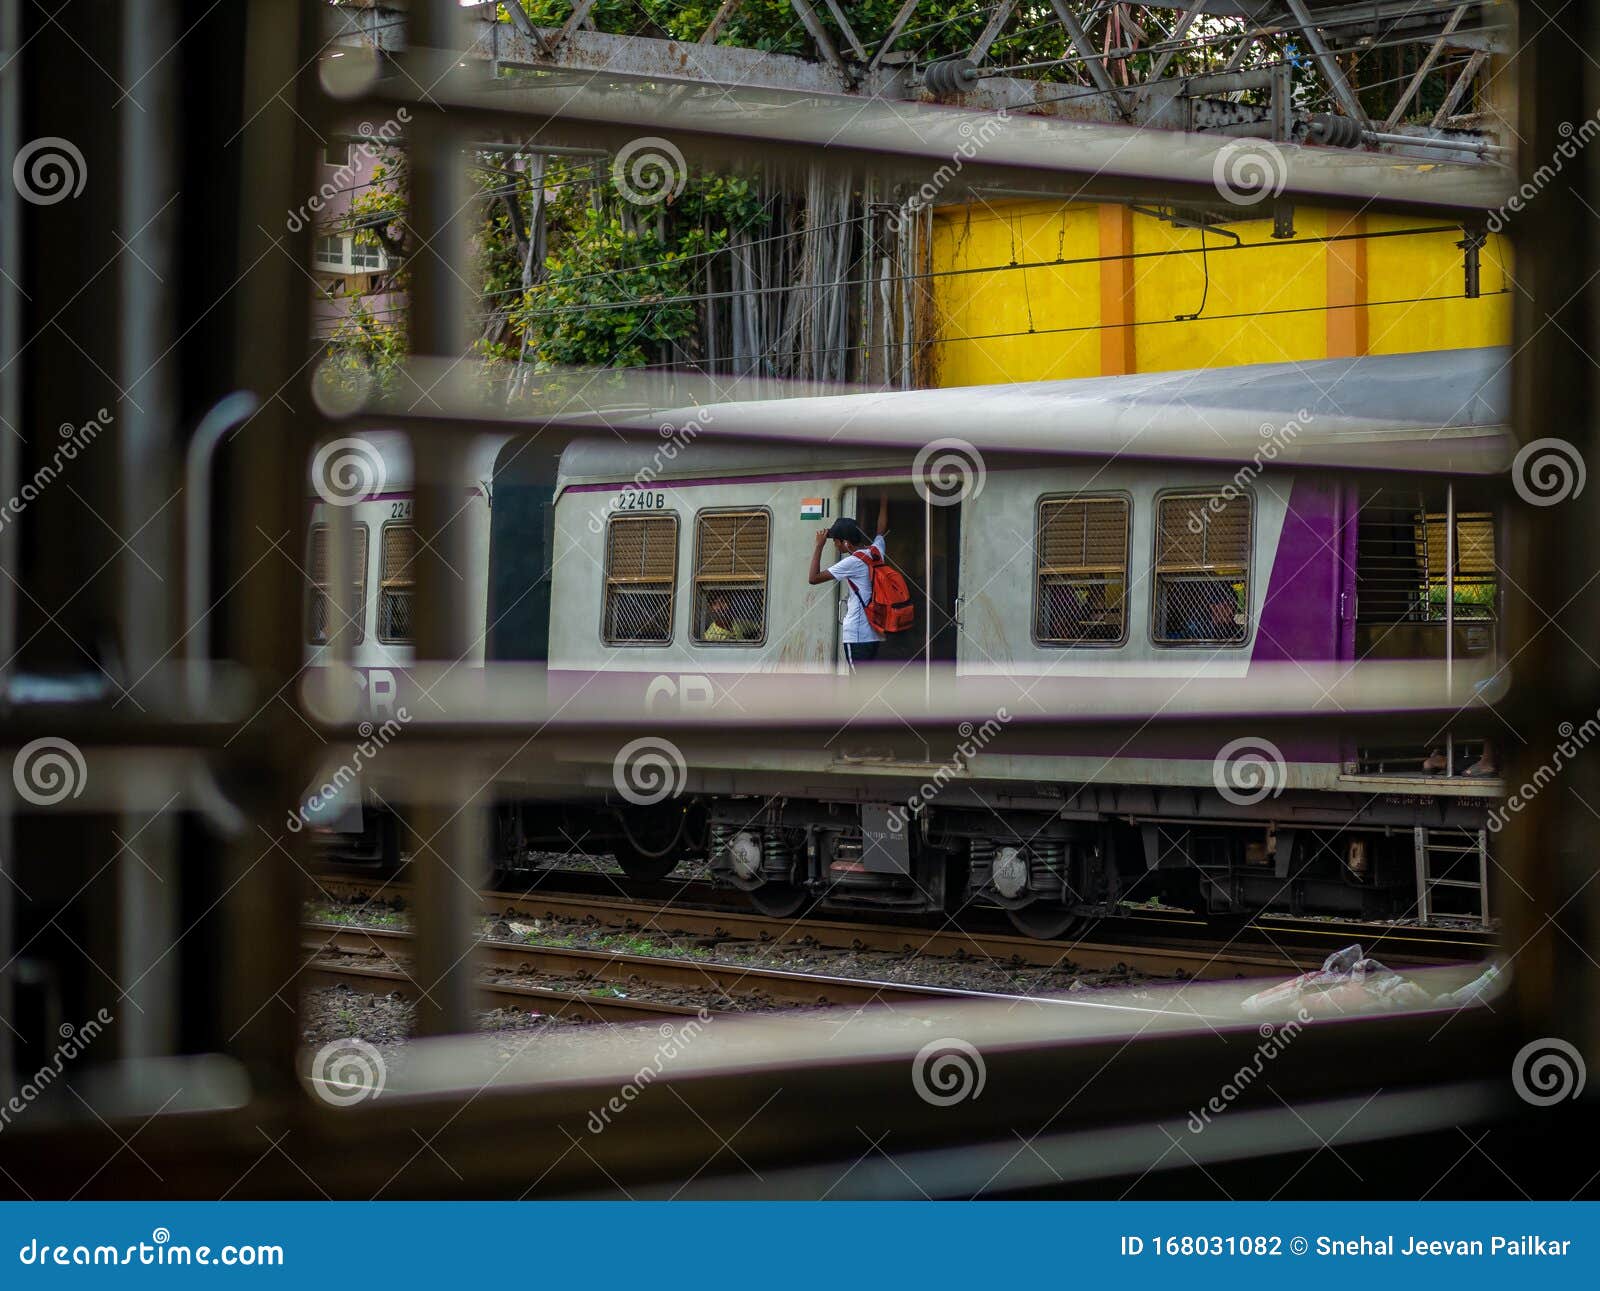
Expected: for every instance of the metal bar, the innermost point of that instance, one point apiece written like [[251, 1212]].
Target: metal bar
[[1481, 148], [1415, 84], [1483, 876], [1463, 83], [449, 845], [519, 19], [1419, 840], [991, 30], [580, 11], [1327, 62], [1182, 26], [856, 47], [718, 21], [927, 593], [892, 35], [818, 33], [1092, 59], [11, 271], [267, 519]]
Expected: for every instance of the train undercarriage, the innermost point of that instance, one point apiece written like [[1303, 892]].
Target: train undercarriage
[[1052, 874]]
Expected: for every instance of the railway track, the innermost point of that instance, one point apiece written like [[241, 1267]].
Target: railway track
[[1155, 955], [728, 984]]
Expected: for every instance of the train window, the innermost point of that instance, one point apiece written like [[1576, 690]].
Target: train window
[[320, 607], [1202, 569], [730, 577], [396, 579], [1404, 579], [641, 577], [1081, 590]]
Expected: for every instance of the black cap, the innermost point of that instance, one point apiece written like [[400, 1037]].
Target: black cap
[[847, 529]]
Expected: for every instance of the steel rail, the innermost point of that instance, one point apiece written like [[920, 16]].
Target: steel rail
[[1160, 959], [731, 980]]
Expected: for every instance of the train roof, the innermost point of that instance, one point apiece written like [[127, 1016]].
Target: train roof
[[392, 448], [1444, 411]]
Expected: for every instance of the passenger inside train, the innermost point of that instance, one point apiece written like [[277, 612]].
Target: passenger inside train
[[861, 640]]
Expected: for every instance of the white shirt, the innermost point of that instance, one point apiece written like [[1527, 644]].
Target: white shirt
[[854, 572]]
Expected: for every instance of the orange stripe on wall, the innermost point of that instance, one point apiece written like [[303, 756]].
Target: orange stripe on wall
[[1118, 354], [1347, 287]]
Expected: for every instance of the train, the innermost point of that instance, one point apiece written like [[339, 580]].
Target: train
[[1195, 527]]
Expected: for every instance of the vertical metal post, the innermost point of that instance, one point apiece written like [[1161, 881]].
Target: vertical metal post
[[10, 468], [927, 597], [1449, 619], [147, 870], [1419, 840], [449, 839]]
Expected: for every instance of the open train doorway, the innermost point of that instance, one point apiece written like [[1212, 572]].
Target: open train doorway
[[924, 543]]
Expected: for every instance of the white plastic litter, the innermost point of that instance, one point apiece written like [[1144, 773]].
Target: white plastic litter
[[1350, 982]]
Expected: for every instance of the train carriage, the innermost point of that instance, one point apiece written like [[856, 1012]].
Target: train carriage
[[1085, 537]]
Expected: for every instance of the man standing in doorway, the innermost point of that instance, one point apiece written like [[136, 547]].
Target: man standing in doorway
[[861, 640]]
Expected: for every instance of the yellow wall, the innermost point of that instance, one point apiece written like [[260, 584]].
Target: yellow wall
[[1266, 303]]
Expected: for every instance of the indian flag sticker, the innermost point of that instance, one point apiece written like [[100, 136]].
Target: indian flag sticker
[[813, 508]]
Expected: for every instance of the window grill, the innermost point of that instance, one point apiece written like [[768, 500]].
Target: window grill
[[1082, 575], [1202, 569], [319, 609], [730, 577], [641, 576], [397, 578], [1403, 576]]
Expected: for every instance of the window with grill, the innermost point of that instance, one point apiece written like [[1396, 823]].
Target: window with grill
[[396, 579], [1082, 589], [641, 575], [1202, 569], [320, 609], [1403, 575], [730, 577]]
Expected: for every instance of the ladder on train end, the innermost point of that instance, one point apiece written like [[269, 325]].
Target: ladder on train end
[[1458, 852]]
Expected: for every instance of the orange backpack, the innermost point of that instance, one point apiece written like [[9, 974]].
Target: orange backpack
[[890, 607]]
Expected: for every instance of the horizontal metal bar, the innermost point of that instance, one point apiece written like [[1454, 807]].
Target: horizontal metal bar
[[904, 143]]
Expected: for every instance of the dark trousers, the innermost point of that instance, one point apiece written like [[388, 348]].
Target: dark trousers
[[860, 652]]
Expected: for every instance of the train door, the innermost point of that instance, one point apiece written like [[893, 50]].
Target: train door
[[1427, 587], [924, 543]]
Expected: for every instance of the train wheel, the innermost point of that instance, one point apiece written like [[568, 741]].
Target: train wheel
[[1047, 922], [636, 865], [780, 900]]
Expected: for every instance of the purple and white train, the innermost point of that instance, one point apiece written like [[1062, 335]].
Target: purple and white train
[[1083, 541]]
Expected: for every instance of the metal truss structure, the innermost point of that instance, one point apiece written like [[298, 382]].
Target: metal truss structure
[[1281, 69]]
